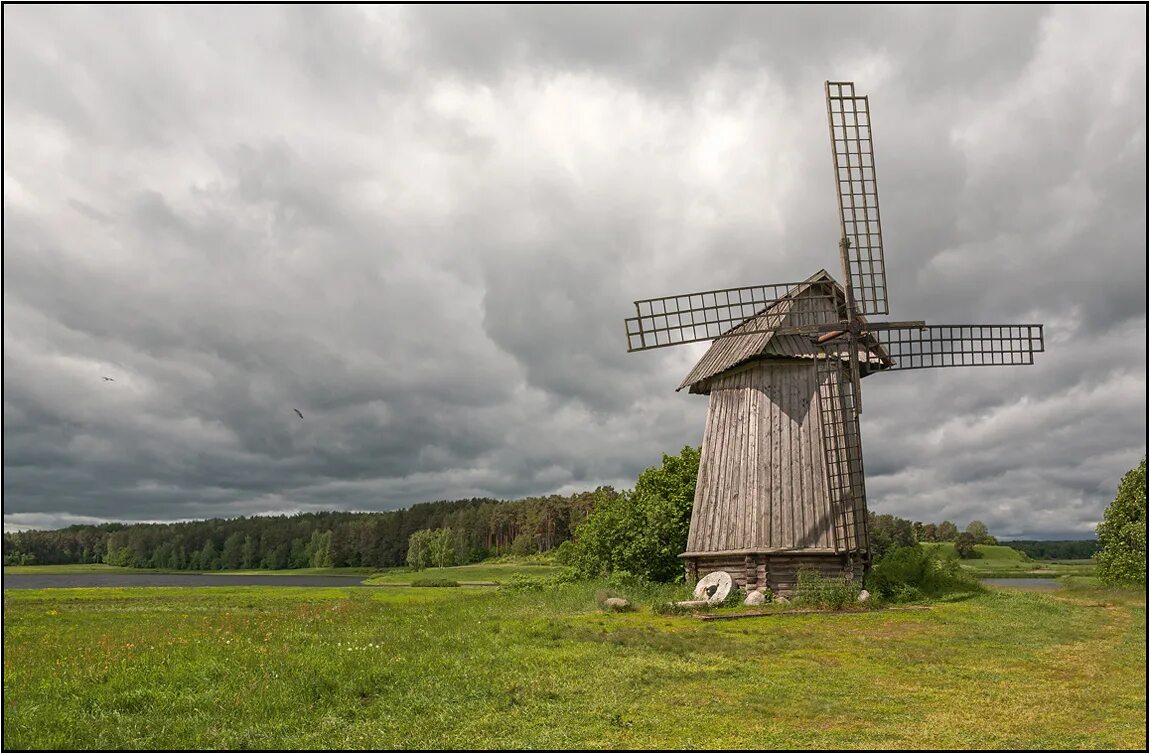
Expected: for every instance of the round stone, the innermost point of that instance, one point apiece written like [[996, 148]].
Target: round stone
[[714, 587], [754, 597]]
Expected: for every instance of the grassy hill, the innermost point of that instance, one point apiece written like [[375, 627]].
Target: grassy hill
[[999, 561]]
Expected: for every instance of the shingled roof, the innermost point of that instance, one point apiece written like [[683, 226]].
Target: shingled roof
[[817, 300]]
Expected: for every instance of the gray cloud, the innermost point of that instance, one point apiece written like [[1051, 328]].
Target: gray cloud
[[423, 227]]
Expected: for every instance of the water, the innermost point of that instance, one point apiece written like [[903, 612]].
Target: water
[[1032, 585], [75, 580]]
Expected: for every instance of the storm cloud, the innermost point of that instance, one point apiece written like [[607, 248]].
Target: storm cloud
[[423, 227]]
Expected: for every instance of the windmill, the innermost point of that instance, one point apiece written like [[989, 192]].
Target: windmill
[[781, 484]]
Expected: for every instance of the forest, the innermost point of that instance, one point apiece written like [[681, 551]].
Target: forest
[[464, 531], [1060, 549], [485, 527]]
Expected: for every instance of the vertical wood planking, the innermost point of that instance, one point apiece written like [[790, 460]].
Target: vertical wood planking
[[722, 497], [702, 482], [752, 460], [762, 478]]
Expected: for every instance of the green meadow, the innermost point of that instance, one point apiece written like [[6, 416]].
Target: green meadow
[[335, 668], [475, 573], [104, 568], [999, 561]]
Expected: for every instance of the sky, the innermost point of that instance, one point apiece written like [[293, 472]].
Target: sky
[[422, 227]]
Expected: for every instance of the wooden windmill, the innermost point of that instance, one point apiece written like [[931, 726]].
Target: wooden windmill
[[781, 482]]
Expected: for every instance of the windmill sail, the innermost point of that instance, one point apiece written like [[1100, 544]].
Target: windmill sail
[[693, 317], [864, 270], [961, 345], [842, 452]]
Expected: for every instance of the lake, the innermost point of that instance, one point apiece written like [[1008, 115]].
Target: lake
[[83, 580]]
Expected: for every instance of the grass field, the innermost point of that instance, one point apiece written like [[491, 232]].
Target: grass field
[[102, 568], [999, 561], [476, 573], [331, 668]]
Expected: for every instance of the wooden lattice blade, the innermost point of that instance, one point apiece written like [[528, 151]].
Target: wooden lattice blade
[[693, 317], [838, 327], [842, 452], [852, 147], [961, 345]]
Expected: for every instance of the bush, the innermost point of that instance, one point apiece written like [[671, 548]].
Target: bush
[[521, 583], [564, 554], [1122, 533], [434, 582], [907, 573], [815, 590], [642, 531]]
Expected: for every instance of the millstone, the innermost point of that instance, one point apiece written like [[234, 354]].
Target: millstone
[[714, 587]]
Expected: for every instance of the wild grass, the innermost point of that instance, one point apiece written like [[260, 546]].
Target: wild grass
[[355, 668], [104, 568], [487, 572]]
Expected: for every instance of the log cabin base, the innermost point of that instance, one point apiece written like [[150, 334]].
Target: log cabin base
[[776, 571]]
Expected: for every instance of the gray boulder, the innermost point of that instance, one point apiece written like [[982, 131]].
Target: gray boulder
[[754, 597], [616, 603], [864, 595]]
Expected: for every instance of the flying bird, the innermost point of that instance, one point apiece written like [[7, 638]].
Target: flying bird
[[108, 379], [297, 411]]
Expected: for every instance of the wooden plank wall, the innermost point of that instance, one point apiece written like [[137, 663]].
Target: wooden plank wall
[[762, 481], [778, 571]]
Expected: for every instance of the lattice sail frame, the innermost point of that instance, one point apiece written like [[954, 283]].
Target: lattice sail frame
[[852, 147], [694, 317], [842, 453], [961, 345]]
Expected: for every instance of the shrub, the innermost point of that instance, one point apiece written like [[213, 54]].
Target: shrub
[[815, 590], [642, 531], [1122, 533], [564, 554], [925, 572], [524, 544], [521, 583], [434, 582]]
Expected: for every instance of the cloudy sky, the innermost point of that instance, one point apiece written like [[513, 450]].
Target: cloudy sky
[[423, 227]]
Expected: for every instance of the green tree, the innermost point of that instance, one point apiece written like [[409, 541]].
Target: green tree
[[981, 534], [249, 553], [642, 531], [441, 549], [321, 553], [886, 531], [523, 544], [964, 545], [232, 556], [1122, 532], [419, 550], [209, 560]]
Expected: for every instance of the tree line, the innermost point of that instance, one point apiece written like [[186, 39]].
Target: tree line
[[481, 527]]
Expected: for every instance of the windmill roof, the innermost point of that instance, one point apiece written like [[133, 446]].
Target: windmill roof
[[731, 350]]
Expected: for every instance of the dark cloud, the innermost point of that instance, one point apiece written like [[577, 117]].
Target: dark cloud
[[422, 227]]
